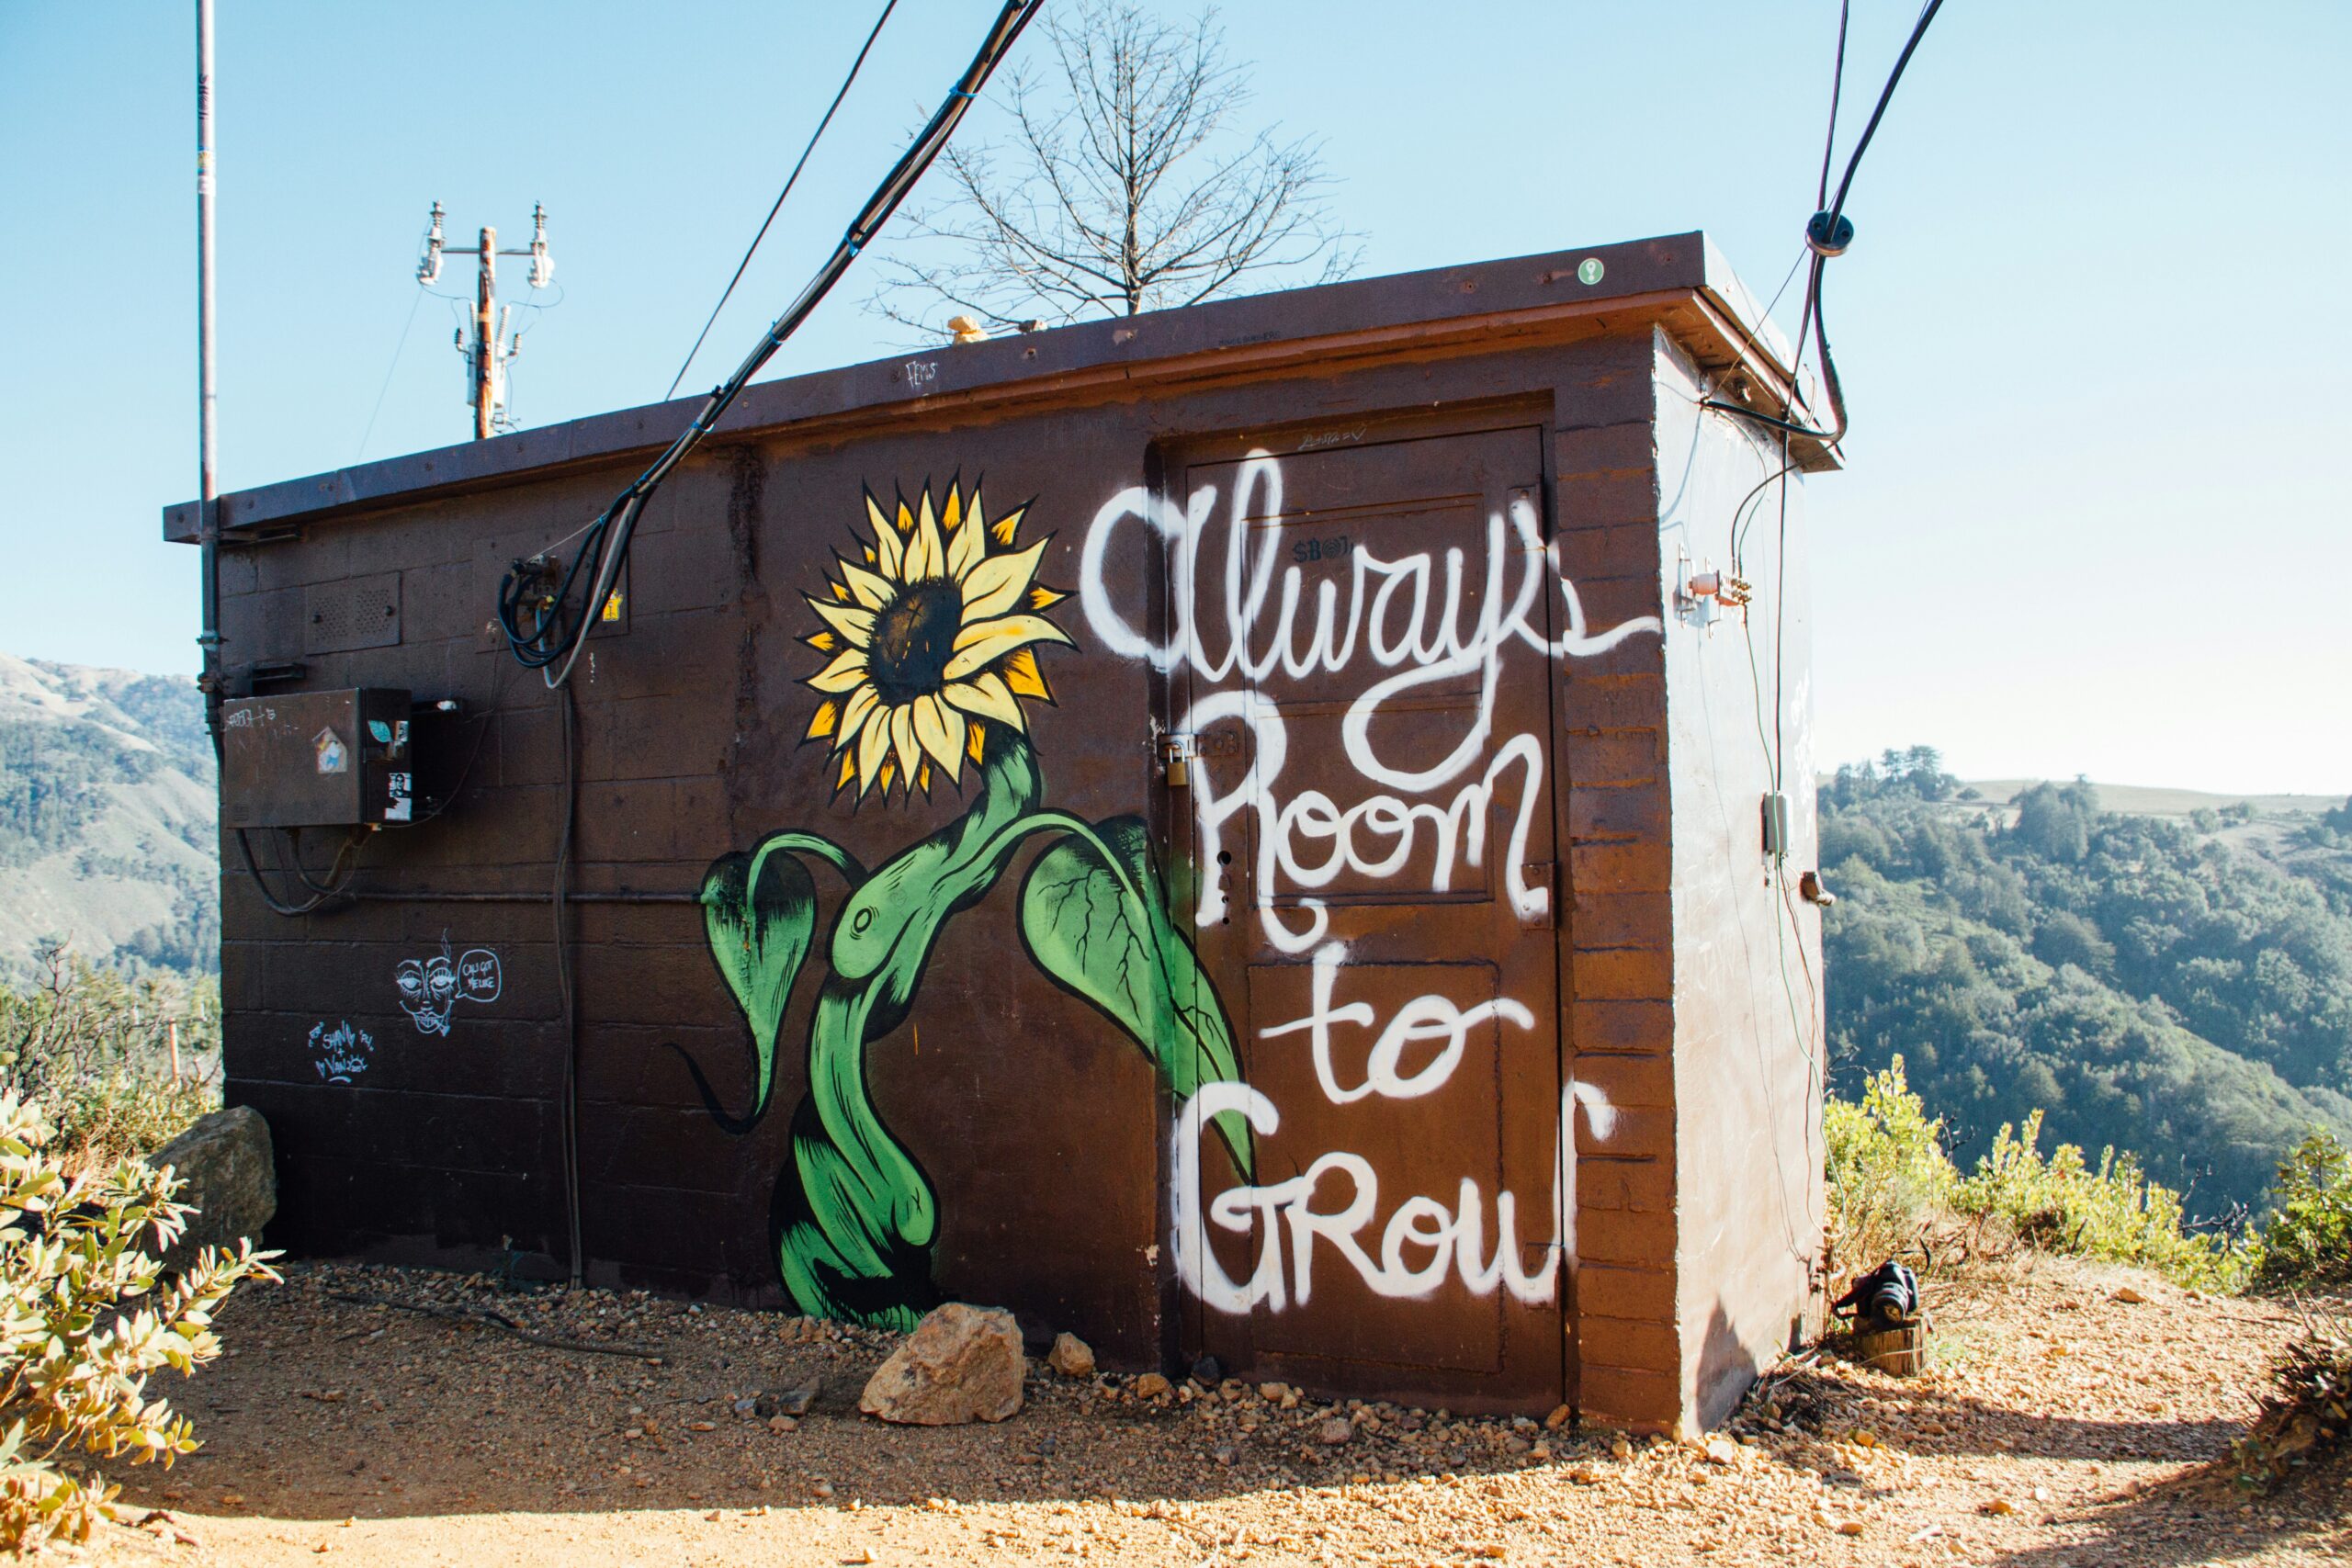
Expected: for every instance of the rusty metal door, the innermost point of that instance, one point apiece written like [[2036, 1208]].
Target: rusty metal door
[[1359, 766]]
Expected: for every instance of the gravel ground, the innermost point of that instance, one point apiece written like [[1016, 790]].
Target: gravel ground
[[2066, 1423]]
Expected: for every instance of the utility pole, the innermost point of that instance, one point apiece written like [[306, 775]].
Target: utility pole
[[486, 335], [493, 347]]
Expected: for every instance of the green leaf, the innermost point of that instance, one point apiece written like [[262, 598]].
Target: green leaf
[[1105, 933], [759, 912]]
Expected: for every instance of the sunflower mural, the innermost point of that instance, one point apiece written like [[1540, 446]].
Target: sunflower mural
[[932, 640]]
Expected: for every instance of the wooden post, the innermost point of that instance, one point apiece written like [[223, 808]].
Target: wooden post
[[485, 335]]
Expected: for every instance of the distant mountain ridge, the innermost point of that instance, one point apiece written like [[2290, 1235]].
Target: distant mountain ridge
[[107, 809]]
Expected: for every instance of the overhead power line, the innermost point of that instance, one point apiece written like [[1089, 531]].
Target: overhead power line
[[789, 180], [545, 626], [1827, 234]]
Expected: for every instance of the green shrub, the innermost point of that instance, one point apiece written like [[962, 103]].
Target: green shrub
[[120, 1066], [1890, 1182], [2307, 1242], [2062, 1204], [85, 1319], [1894, 1192]]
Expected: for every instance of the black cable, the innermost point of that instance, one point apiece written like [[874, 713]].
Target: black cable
[[320, 897], [789, 180], [1837, 91], [562, 902], [1822, 233], [555, 634]]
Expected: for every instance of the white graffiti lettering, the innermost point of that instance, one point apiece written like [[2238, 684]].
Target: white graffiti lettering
[[1290, 1224]]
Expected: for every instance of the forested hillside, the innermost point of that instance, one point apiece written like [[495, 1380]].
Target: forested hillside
[[2179, 988], [106, 819]]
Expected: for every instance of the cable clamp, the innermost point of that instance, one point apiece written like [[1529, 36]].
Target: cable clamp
[[1824, 240]]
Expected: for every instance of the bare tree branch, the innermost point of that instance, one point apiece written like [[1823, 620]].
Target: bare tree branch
[[1124, 186]]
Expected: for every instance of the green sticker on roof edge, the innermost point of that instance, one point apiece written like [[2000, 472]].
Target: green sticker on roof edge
[[1590, 271]]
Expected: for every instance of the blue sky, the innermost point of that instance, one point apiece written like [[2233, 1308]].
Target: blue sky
[[2089, 524]]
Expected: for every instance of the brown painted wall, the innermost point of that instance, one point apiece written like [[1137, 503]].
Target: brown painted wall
[[423, 1123]]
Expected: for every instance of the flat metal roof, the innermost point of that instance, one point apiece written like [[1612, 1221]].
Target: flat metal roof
[[1679, 281]]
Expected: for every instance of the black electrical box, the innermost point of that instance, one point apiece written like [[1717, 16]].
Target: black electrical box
[[317, 760]]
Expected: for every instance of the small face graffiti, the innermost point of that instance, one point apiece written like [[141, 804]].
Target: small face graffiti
[[430, 989]]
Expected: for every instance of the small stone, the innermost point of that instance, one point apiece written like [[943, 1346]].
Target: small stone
[[1072, 1357], [702, 1426], [823, 1489], [746, 1406], [1560, 1417], [1998, 1507], [1334, 1431], [796, 1401], [962, 1363], [1850, 1526], [2128, 1296], [1227, 1455], [1722, 1450], [1585, 1475], [1151, 1385], [1620, 1448], [1864, 1437], [1208, 1372]]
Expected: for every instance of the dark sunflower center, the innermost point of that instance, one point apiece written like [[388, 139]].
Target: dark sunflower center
[[915, 636]]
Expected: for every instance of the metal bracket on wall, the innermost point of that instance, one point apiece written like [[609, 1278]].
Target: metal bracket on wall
[[1543, 874]]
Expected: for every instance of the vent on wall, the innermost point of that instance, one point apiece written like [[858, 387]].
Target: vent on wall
[[359, 612]]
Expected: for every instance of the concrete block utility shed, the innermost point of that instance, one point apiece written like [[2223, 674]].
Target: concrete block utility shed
[[1269, 830]]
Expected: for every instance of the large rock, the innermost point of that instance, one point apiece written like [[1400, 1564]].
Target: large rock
[[230, 1177], [962, 1363]]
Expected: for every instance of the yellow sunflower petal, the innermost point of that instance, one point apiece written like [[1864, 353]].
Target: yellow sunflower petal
[[873, 754], [1008, 524], [996, 585], [980, 646], [839, 591], [849, 771], [923, 778], [902, 739], [1044, 598], [889, 772], [978, 743], [855, 713], [827, 714], [967, 542], [986, 696], [855, 625], [939, 731], [925, 557], [886, 551], [870, 592], [1021, 674], [823, 642], [846, 671]]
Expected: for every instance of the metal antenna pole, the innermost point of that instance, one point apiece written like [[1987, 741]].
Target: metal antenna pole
[[208, 390]]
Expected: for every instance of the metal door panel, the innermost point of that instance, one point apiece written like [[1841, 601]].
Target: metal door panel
[[1365, 743]]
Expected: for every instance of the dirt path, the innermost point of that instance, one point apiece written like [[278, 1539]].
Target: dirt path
[[2062, 1426]]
